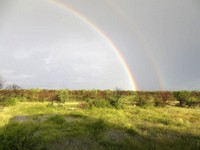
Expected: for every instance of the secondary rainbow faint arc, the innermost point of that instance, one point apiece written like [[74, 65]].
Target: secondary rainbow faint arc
[[103, 35], [144, 44]]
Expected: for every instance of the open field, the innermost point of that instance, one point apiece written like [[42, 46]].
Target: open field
[[71, 125], [35, 124]]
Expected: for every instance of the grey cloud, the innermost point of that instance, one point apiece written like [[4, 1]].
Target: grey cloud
[[158, 39]]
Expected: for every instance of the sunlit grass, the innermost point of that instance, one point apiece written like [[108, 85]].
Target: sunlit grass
[[105, 128]]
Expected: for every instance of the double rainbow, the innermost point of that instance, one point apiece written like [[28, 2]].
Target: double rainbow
[[104, 37]]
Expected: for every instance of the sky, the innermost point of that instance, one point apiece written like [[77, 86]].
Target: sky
[[92, 44]]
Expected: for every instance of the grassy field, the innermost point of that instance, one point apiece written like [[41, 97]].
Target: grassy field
[[37, 125]]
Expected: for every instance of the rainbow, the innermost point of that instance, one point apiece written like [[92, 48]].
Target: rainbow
[[103, 35], [141, 40]]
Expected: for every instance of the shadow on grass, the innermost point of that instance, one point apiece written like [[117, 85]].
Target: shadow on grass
[[77, 131]]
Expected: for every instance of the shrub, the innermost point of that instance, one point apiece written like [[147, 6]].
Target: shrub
[[10, 102], [114, 98], [63, 96], [116, 104], [1, 99], [100, 103], [34, 94], [182, 97], [23, 99], [192, 101], [144, 101], [159, 101], [162, 97], [59, 97]]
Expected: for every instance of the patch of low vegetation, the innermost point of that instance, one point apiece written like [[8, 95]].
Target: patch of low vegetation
[[99, 120], [20, 136], [10, 102], [144, 101], [58, 119], [100, 103]]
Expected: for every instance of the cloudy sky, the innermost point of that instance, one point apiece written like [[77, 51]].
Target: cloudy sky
[[67, 43]]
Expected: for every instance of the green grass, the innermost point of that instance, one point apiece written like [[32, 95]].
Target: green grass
[[33, 125]]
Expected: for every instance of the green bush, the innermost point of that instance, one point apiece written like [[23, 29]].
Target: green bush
[[100, 103], [10, 102], [63, 96], [1, 99], [182, 97], [160, 102], [116, 104], [34, 94], [59, 97], [114, 98], [144, 101], [23, 99], [192, 101]]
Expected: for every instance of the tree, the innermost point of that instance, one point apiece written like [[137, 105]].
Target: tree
[[13, 87], [182, 97], [8, 85], [59, 97], [2, 82]]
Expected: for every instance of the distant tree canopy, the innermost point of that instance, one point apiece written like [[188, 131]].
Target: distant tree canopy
[[2, 82], [182, 97], [12, 86], [9, 86]]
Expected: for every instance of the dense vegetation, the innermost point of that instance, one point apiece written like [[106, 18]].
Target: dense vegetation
[[64, 119], [107, 97]]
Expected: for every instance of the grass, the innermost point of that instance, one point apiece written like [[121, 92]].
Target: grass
[[33, 125]]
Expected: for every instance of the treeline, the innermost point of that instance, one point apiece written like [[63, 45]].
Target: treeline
[[106, 97]]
